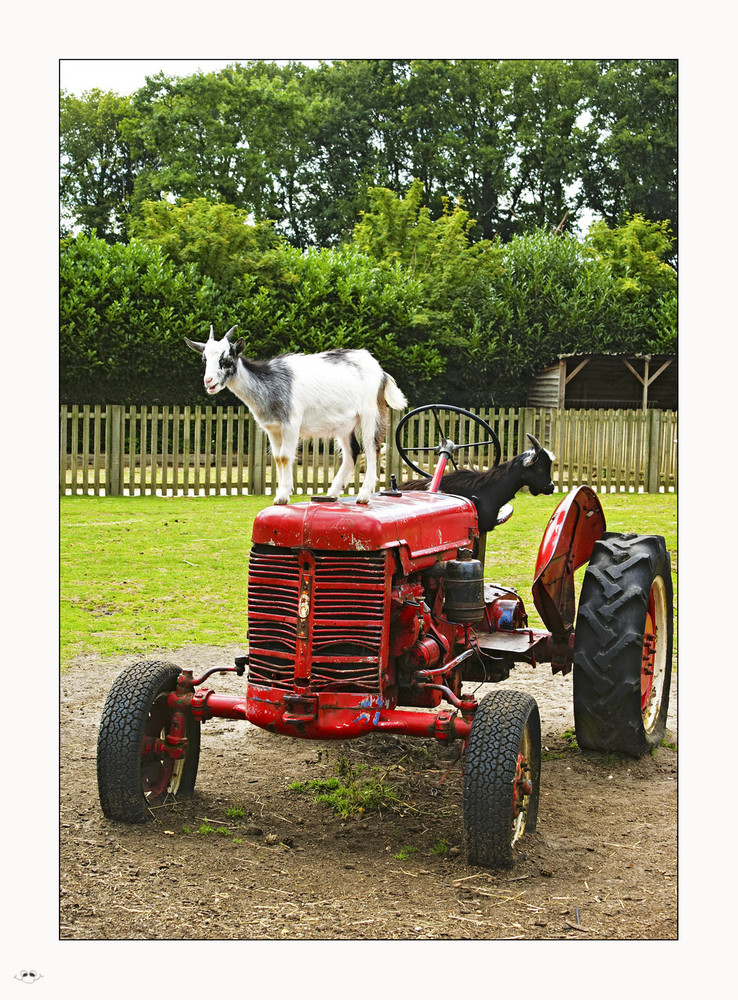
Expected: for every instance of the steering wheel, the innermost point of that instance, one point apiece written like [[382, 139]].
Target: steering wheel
[[448, 446]]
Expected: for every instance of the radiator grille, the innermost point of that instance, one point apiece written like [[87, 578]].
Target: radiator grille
[[347, 621]]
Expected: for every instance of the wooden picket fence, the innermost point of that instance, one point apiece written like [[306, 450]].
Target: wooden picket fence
[[173, 450]]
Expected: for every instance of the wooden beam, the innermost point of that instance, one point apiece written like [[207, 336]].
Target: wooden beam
[[577, 369], [645, 384], [629, 365], [561, 388], [642, 379], [646, 379], [661, 369]]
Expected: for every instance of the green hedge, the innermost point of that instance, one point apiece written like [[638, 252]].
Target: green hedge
[[451, 320], [125, 310]]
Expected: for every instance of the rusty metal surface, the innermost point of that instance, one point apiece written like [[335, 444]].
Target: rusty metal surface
[[576, 524], [421, 525]]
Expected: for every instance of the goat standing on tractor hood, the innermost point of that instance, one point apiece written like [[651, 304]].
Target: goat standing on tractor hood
[[491, 489], [328, 395]]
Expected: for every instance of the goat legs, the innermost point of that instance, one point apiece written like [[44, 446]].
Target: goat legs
[[284, 447], [349, 450], [373, 429]]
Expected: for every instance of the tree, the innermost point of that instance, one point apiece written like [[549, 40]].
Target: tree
[[546, 104], [353, 141], [630, 154], [218, 238], [518, 143], [237, 136], [455, 276], [644, 282], [97, 168]]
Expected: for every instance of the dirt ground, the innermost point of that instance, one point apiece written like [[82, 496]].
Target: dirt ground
[[601, 865]]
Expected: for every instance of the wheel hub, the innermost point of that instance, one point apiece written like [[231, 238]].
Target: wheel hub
[[163, 751], [647, 665], [522, 790], [653, 660]]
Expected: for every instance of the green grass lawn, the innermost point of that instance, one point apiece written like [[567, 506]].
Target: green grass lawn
[[142, 574]]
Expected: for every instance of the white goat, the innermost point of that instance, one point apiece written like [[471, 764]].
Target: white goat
[[295, 396]]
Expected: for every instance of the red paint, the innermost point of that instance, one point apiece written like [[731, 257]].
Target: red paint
[[649, 652], [435, 482], [347, 624], [576, 524]]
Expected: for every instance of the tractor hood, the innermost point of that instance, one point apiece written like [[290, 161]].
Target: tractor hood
[[423, 526]]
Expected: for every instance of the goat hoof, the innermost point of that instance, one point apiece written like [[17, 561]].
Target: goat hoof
[[281, 500]]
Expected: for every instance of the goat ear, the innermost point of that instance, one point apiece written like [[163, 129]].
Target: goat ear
[[195, 346], [238, 348]]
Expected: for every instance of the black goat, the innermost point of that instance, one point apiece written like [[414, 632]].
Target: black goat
[[491, 489]]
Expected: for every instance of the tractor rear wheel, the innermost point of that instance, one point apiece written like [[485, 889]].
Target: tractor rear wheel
[[502, 776], [134, 770], [623, 645]]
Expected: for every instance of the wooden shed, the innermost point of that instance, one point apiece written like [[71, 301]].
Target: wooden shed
[[607, 381]]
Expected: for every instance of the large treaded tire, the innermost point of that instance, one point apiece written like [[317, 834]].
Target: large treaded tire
[[621, 677], [134, 710], [504, 747]]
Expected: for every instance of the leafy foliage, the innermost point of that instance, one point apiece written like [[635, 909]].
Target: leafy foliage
[[501, 312], [458, 321], [123, 312], [217, 237], [629, 151], [645, 285], [98, 168], [126, 309], [518, 142]]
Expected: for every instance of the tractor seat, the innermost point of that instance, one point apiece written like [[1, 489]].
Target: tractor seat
[[504, 514]]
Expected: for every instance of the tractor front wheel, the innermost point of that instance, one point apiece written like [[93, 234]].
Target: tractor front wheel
[[502, 776], [146, 750], [623, 645]]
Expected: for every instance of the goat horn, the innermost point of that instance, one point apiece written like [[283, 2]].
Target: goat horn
[[229, 335], [536, 443], [211, 332]]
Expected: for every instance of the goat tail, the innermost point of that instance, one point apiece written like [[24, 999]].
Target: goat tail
[[393, 394]]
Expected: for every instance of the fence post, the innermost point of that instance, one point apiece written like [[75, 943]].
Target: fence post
[[526, 425], [63, 452], [654, 435], [519, 447], [256, 463], [114, 451], [638, 448]]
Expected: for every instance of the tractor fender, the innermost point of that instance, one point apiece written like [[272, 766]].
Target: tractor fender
[[576, 524]]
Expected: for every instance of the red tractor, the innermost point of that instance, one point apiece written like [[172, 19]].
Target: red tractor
[[369, 618]]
